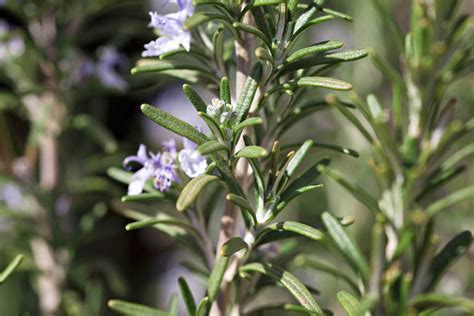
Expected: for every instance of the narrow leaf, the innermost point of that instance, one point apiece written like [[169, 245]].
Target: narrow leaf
[[215, 278], [211, 147], [346, 245], [246, 123], [317, 48], [453, 250], [173, 124], [304, 261], [359, 193], [203, 307], [239, 200], [450, 200], [434, 300], [225, 94], [288, 280], [10, 268], [348, 302], [133, 309], [187, 295], [252, 152], [322, 82], [297, 159], [289, 226], [232, 246], [212, 124], [194, 98], [255, 31], [192, 190], [150, 222], [248, 92]]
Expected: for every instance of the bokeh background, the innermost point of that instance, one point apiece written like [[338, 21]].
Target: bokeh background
[[75, 57]]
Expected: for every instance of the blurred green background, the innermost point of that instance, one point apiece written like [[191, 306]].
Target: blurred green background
[[68, 46]]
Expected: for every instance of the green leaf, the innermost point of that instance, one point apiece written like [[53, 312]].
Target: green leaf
[[255, 31], [434, 300], [248, 92], [246, 123], [337, 13], [203, 307], [359, 193], [173, 124], [239, 200], [289, 226], [297, 159], [346, 245], [194, 98], [349, 55], [192, 190], [174, 305], [450, 200], [453, 250], [147, 66], [307, 177], [343, 150], [287, 196], [187, 295], [303, 27], [304, 18], [252, 152], [304, 261], [288, 280], [321, 82], [218, 41], [348, 302], [143, 197], [213, 125], [12, 266], [232, 246], [211, 147], [317, 48], [225, 94], [257, 3], [133, 309], [215, 278], [150, 222]]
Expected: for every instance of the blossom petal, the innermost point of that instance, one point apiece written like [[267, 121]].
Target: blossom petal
[[139, 178], [192, 163]]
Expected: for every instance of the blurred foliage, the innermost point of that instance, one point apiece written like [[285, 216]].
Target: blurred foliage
[[68, 112]]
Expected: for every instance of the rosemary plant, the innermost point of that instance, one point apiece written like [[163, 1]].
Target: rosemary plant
[[249, 56], [418, 147]]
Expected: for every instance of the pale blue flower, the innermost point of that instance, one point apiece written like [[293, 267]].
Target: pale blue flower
[[171, 29], [108, 66], [191, 162], [153, 166]]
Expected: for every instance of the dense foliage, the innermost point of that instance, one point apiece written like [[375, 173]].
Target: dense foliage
[[251, 77]]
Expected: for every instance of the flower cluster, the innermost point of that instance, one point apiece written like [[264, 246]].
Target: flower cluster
[[163, 166], [171, 29], [221, 112]]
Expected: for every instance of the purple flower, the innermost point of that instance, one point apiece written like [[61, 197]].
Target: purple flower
[[153, 166], [191, 162], [171, 28], [165, 176], [107, 68]]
